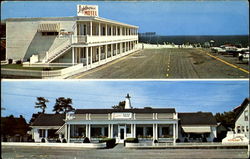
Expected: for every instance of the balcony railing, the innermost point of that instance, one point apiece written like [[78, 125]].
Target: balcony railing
[[98, 39]]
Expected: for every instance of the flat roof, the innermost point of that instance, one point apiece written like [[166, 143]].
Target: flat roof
[[106, 111], [75, 18]]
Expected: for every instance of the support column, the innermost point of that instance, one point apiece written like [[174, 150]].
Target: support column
[[99, 54], [125, 47], [174, 135], [46, 133], [90, 32], [116, 51], [89, 135], [134, 130], [121, 45], [111, 32], [68, 140], [116, 30], [86, 130], [106, 52], [177, 127], [87, 56], [153, 132], [99, 29], [66, 132], [111, 132], [156, 131], [106, 30], [111, 49], [91, 56], [73, 55]]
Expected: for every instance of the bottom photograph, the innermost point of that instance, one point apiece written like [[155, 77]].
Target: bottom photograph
[[125, 119]]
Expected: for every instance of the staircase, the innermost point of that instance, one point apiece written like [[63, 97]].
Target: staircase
[[58, 51]]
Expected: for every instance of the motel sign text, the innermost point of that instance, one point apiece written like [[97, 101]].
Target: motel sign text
[[87, 10]]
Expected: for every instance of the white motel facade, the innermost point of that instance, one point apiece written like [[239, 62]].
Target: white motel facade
[[85, 39], [146, 124]]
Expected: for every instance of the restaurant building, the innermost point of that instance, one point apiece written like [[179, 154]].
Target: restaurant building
[[147, 124], [85, 39]]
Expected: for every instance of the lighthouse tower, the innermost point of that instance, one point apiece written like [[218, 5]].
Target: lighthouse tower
[[128, 102]]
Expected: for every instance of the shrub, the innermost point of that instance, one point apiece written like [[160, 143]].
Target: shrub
[[155, 141], [43, 140], [10, 61], [19, 62], [58, 141], [131, 140], [46, 69], [64, 141], [110, 142], [177, 140], [185, 140], [215, 140], [86, 140], [204, 139]]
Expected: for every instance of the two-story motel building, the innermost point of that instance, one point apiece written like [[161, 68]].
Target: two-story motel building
[[86, 39]]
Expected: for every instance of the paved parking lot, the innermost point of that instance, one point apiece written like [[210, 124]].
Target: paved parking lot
[[170, 63], [10, 152]]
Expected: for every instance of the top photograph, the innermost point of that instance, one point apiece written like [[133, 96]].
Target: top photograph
[[125, 40]]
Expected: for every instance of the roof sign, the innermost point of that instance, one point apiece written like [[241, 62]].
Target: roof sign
[[87, 10]]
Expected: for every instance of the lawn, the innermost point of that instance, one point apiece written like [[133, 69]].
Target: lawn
[[19, 66]]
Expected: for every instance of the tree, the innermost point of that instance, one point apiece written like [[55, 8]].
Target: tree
[[41, 103], [121, 105], [63, 105], [227, 119]]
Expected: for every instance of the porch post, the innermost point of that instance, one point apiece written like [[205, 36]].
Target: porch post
[[90, 28], [156, 131], [111, 28], [99, 54], [109, 131], [66, 132], [89, 135], [177, 128], [99, 29], [73, 55], [87, 56], [86, 130], [106, 52], [46, 133], [111, 49], [106, 30], [153, 131], [125, 46], [116, 49], [68, 140], [91, 56], [174, 133], [135, 130]]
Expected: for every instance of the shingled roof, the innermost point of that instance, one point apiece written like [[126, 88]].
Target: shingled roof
[[106, 111], [241, 108], [49, 120], [197, 118]]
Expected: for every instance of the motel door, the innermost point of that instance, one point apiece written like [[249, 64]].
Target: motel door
[[122, 133]]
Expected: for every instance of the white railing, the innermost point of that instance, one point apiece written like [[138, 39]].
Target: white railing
[[28, 64], [59, 49], [97, 39]]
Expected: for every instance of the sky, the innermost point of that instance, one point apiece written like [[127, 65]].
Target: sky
[[162, 17], [18, 97]]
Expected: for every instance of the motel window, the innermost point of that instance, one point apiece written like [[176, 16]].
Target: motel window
[[246, 128], [49, 33], [246, 115], [242, 129], [41, 132]]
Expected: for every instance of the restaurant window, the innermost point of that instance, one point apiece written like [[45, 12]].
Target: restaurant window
[[139, 132], [128, 130], [52, 133], [41, 132]]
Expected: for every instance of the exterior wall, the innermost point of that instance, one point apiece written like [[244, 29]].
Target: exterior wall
[[23, 40], [242, 123]]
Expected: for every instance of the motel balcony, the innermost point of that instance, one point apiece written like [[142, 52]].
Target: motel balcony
[[86, 39]]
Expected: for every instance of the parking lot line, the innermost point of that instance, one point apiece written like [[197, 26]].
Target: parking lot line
[[225, 62]]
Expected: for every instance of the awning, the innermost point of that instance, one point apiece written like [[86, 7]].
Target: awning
[[49, 27], [196, 129], [61, 130]]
